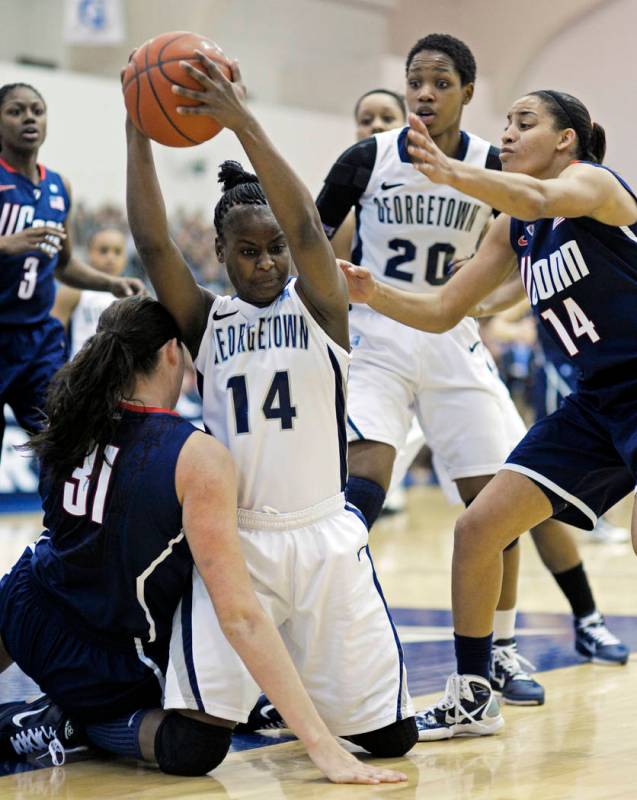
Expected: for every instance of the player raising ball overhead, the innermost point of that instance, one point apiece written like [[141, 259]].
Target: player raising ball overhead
[[272, 364], [570, 226]]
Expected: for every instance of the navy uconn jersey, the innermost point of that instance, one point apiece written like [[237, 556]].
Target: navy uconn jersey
[[273, 390], [581, 279], [27, 289], [114, 556]]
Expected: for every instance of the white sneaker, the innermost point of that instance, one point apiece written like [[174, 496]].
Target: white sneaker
[[469, 708]]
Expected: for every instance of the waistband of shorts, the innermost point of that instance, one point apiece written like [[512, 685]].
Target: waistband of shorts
[[276, 521]]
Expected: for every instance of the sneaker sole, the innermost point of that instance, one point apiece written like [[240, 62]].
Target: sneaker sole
[[605, 662], [467, 729], [511, 702], [516, 702]]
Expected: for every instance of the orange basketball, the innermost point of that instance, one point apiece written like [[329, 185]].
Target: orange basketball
[[147, 84]]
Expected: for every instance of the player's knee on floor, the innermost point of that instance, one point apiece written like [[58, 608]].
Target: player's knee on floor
[[187, 746], [391, 741]]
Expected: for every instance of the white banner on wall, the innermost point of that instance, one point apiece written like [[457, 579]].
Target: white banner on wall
[[97, 22]]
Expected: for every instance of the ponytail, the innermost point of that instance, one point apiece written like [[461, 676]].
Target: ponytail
[[82, 407]]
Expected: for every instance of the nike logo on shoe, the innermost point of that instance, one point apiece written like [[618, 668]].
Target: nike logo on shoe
[[386, 186], [17, 718], [217, 316], [265, 712]]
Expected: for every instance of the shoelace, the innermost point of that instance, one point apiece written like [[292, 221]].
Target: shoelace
[[457, 685], [40, 740], [600, 633], [511, 661]]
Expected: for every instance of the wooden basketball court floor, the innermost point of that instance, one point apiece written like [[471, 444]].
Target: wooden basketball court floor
[[581, 744]]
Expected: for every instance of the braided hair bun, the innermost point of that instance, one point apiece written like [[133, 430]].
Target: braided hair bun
[[232, 174], [240, 188]]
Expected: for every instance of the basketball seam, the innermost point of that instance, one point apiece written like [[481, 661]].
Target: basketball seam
[[137, 101], [159, 103], [150, 66]]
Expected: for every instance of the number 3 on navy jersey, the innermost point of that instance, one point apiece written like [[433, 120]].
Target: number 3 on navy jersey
[[438, 259], [29, 279], [580, 324], [277, 403]]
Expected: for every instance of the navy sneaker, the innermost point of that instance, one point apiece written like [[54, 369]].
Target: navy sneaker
[[596, 642], [509, 675], [37, 728], [263, 716], [469, 708]]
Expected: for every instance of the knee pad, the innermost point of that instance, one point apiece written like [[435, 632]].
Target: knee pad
[[187, 746], [513, 544], [391, 741], [368, 497]]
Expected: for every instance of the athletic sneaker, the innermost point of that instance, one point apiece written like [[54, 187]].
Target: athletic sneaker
[[605, 532], [509, 675], [38, 727], [595, 641], [469, 708], [263, 716]]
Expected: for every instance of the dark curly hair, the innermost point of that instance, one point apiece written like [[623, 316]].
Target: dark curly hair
[[458, 52], [240, 188]]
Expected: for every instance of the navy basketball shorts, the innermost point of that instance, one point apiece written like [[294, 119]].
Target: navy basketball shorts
[[92, 678], [582, 457], [29, 357]]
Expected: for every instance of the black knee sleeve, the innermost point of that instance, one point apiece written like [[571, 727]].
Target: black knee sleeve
[[187, 746], [391, 741], [513, 544], [368, 497]]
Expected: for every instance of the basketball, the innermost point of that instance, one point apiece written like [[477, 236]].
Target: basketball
[[147, 87]]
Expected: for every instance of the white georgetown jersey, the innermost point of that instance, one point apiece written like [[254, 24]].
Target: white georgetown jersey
[[409, 229], [83, 322], [273, 386]]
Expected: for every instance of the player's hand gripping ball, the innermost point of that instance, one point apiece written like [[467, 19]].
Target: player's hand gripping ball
[[147, 85]]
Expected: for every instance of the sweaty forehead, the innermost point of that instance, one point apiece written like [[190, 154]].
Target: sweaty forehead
[[530, 102], [432, 60], [251, 222], [23, 94]]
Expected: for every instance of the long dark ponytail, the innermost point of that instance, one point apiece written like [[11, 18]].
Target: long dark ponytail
[[82, 406], [569, 112]]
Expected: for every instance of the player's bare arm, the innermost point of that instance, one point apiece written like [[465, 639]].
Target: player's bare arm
[[579, 190], [75, 273], [320, 283], [481, 275], [171, 278], [206, 487]]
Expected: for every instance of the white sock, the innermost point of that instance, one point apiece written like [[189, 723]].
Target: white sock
[[504, 624]]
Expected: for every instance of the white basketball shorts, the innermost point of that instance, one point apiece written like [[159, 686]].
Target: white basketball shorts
[[313, 574], [448, 380]]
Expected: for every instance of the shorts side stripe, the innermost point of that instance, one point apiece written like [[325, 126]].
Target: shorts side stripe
[[541, 479], [401, 658], [350, 422], [186, 637]]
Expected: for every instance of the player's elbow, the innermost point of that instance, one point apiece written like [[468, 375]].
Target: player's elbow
[[240, 622]]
